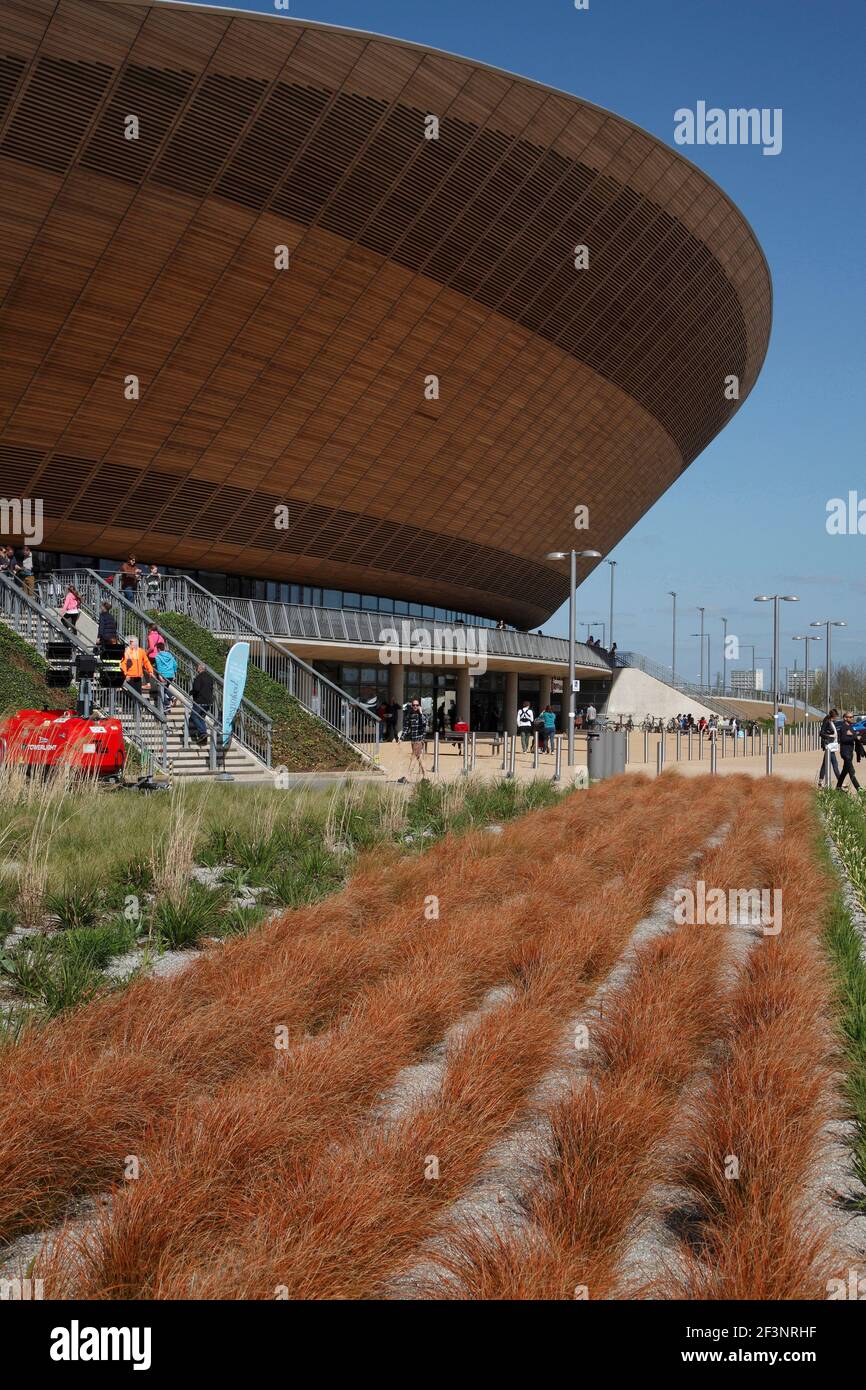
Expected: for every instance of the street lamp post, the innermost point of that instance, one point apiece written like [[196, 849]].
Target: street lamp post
[[572, 556], [674, 646], [776, 599], [725, 656], [827, 623], [807, 639], [612, 564], [705, 637], [701, 611]]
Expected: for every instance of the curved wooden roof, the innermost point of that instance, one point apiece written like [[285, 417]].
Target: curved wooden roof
[[409, 257]]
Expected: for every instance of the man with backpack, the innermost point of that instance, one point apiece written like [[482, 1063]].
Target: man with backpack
[[525, 721]]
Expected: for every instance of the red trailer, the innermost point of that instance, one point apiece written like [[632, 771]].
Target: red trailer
[[48, 738]]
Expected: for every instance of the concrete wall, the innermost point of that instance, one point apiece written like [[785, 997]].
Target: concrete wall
[[635, 693]]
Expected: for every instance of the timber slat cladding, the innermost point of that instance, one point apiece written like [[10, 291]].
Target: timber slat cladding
[[409, 257]]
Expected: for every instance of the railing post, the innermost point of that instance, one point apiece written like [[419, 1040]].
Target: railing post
[[646, 745], [436, 751], [474, 752], [512, 756], [769, 757], [660, 757], [713, 756], [535, 743], [504, 750], [465, 755], [557, 757], [828, 767], [678, 744]]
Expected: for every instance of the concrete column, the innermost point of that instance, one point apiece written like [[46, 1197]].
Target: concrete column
[[544, 696], [463, 694], [509, 722], [397, 690]]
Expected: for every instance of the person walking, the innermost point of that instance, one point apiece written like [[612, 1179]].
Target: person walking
[[165, 666], [202, 696], [135, 664], [414, 733], [26, 571], [549, 718], [850, 743], [591, 716], [829, 739], [70, 609], [525, 721], [106, 628], [155, 642]]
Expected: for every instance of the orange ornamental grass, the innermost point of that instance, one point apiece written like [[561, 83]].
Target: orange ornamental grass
[[614, 1137], [325, 1218], [81, 1094], [757, 1136], [194, 1172]]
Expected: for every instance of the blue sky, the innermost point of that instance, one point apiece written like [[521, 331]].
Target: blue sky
[[749, 516]]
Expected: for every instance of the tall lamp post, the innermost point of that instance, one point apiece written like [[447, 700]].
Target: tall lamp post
[[705, 637], [573, 556], [724, 656], [827, 623], [673, 595], [807, 639], [776, 599], [701, 611], [612, 564]]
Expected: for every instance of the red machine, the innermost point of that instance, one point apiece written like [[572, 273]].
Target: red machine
[[47, 738]]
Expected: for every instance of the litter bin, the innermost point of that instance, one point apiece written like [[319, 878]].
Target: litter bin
[[605, 753]]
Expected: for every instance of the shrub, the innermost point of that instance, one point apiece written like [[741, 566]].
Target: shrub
[[75, 907], [182, 920]]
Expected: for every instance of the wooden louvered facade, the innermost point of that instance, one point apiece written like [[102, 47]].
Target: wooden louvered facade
[[409, 257]]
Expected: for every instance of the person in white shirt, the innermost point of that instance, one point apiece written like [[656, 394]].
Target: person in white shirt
[[525, 721], [591, 716]]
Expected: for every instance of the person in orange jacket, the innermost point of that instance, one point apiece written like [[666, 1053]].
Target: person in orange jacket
[[135, 663]]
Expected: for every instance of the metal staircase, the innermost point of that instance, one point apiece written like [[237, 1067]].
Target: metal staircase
[[356, 724], [144, 726], [250, 753]]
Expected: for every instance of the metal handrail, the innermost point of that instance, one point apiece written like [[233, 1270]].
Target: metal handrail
[[144, 725], [252, 727], [354, 722], [306, 621]]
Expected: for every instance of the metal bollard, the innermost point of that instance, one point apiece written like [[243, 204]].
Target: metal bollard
[[505, 738], [660, 758], [736, 741], [535, 743], [828, 767], [713, 756], [700, 747], [474, 752], [436, 751], [645, 746], [690, 745], [557, 754], [465, 755], [769, 757], [512, 756], [678, 741], [724, 743]]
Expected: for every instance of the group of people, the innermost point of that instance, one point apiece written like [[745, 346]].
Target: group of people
[[19, 568], [540, 728], [130, 576], [838, 735], [609, 653]]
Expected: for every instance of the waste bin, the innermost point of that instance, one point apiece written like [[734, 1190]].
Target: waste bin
[[605, 753]]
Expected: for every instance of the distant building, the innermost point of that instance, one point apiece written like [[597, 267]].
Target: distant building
[[745, 683], [797, 681]]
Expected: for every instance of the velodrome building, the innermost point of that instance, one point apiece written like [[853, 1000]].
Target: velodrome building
[[348, 328]]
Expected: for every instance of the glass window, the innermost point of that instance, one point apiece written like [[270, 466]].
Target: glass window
[[429, 611], [272, 591], [317, 597], [351, 600], [369, 675], [401, 608], [416, 610], [386, 605], [370, 602], [332, 598], [441, 615], [350, 673]]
